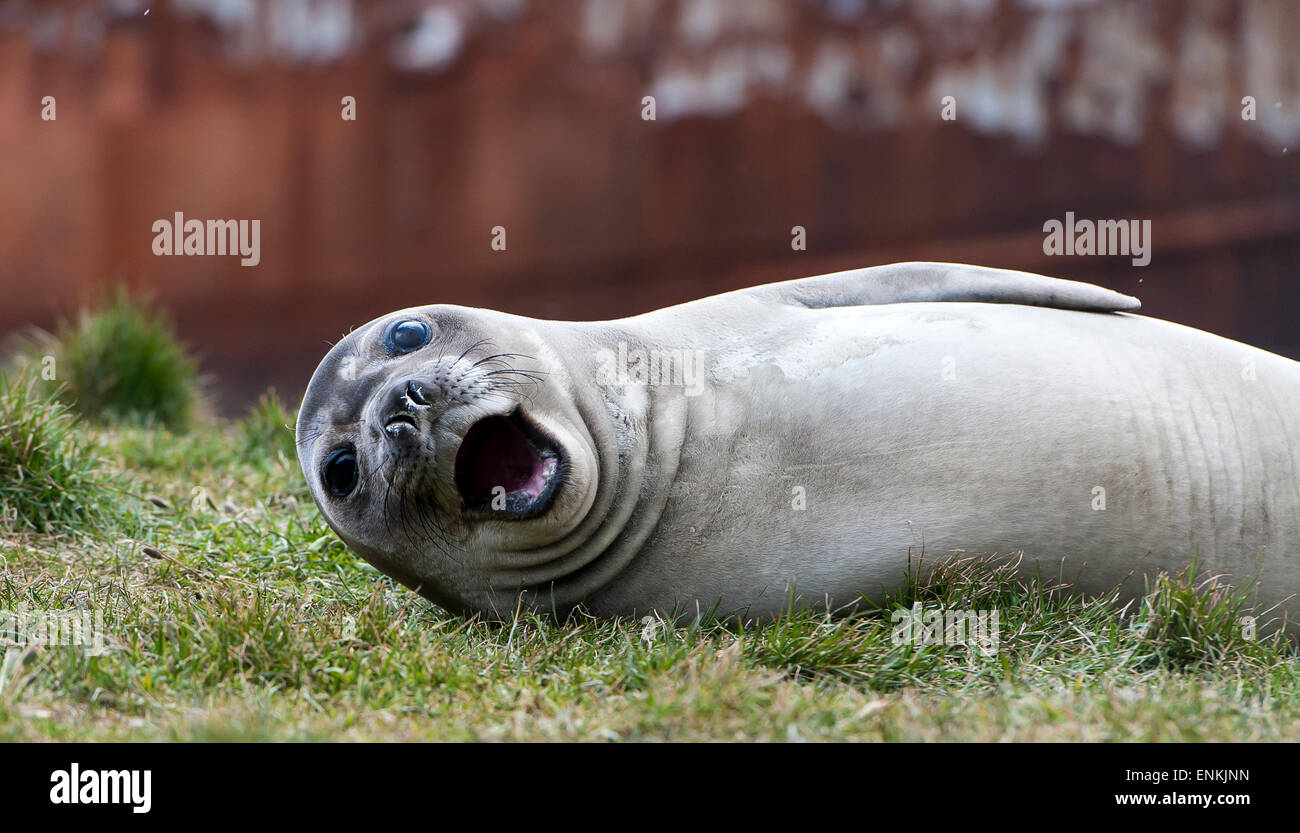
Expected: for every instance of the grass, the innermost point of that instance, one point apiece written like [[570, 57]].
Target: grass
[[120, 361], [49, 475], [232, 612], [267, 432]]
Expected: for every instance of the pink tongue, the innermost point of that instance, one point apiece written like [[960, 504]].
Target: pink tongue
[[541, 476]]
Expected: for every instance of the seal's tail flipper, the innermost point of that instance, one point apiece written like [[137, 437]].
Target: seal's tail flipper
[[900, 283]]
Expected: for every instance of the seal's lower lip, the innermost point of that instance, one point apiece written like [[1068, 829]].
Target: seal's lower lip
[[508, 466]]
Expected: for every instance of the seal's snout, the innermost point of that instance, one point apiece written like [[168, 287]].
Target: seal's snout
[[405, 405]]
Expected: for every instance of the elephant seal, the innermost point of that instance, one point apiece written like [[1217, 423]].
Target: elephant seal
[[801, 440]]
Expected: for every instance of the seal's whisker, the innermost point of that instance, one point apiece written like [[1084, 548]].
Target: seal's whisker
[[471, 348], [529, 374], [388, 516], [374, 472], [499, 356], [427, 512], [308, 437], [499, 394], [433, 520]]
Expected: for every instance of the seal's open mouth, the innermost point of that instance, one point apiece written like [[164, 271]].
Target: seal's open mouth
[[508, 466]]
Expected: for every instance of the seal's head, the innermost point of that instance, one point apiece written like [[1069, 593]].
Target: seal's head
[[441, 442]]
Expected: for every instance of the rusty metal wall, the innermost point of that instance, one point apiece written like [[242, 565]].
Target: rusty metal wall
[[529, 115]]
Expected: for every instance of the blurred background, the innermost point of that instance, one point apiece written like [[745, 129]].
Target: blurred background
[[529, 115]]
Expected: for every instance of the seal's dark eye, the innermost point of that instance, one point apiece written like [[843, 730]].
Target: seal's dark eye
[[407, 335], [340, 473]]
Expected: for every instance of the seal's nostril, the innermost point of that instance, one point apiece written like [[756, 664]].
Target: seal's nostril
[[416, 393]]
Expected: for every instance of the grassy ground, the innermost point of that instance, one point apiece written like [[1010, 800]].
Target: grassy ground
[[232, 612]]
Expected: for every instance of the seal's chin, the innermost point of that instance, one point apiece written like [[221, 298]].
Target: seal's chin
[[508, 467]]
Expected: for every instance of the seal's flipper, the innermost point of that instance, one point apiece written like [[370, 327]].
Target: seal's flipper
[[901, 283]]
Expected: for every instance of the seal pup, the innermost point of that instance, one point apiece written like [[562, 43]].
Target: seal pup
[[802, 439]]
